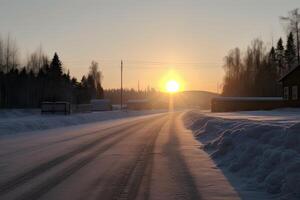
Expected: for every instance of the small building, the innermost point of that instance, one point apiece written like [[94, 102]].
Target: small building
[[291, 86], [101, 105], [138, 104], [56, 107]]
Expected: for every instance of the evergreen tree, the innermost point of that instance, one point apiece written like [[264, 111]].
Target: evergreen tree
[[56, 66], [290, 52], [280, 56], [293, 19], [100, 91], [91, 86], [24, 88], [272, 56], [55, 84], [272, 64]]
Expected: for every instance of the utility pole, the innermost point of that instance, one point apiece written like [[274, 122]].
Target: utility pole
[[121, 84], [138, 86]]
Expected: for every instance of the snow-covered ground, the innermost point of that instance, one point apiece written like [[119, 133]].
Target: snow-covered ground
[[259, 151], [27, 120]]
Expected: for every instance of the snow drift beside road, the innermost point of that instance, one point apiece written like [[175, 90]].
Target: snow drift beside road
[[26, 120], [264, 152]]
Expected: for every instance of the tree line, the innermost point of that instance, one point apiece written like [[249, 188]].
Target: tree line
[[42, 80], [115, 94], [256, 71]]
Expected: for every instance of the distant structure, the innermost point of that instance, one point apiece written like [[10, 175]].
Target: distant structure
[[59, 107], [138, 104], [291, 85], [101, 105], [232, 104]]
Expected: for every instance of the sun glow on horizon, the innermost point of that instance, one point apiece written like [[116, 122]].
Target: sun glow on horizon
[[172, 86], [171, 82]]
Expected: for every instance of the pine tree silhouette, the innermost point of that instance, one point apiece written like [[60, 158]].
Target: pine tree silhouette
[[56, 66], [280, 56], [290, 52]]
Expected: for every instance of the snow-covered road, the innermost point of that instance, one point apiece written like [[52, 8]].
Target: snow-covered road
[[146, 157]]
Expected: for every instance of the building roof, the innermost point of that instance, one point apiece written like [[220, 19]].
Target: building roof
[[288, 73]]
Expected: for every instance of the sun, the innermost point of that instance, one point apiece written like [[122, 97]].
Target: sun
[[172, 86]]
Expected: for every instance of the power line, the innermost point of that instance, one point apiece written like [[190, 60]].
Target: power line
[[157, 65], [137, 62]]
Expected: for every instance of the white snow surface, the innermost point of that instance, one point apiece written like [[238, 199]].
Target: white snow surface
[[258, 150], [13, 121]]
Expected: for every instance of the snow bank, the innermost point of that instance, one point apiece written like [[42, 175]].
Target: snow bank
[[265, 153], [26, 120]]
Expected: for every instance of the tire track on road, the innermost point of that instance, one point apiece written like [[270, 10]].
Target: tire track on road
[[130, 183], [178, 167], [43, 146], [44, 167], [46, 186]]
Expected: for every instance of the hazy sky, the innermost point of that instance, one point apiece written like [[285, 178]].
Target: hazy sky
[[152, 36]]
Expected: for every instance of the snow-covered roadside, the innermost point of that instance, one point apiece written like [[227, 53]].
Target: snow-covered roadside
[[259, 150], [23, 121]]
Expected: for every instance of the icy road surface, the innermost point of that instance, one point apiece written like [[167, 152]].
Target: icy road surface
[[147, 157]]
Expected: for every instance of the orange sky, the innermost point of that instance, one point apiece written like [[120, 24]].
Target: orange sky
[[190, 37]]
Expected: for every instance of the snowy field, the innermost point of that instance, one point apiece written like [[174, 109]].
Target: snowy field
[[26, 120], [258, 151]]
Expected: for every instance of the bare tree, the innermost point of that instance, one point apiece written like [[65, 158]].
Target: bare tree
[[233, 63], [250, 73], [293, 19], [7, 54], [14, 54], [1, 55], [95, 77], [36, 60], [10, 55], [96, 74]]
